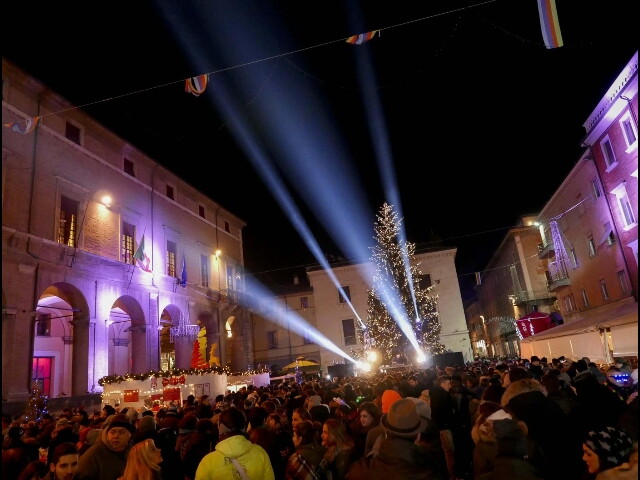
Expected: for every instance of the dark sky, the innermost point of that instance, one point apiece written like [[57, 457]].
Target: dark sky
[[482, 121]]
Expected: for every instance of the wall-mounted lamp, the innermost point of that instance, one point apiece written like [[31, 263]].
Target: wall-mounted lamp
[[106, 200], [218, 252]]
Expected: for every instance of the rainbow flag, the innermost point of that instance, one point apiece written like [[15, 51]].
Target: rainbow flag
[[549, 23], [196, 85], [363, 37], [23, 126]]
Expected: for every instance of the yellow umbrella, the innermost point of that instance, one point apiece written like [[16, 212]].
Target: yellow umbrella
[[301, 362]]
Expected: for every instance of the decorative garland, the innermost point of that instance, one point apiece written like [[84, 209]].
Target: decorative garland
[[176, 372]]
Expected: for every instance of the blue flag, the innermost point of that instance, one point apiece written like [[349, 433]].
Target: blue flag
[[183, 274]]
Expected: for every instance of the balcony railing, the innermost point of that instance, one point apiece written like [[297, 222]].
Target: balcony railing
[[558, 276], [530, 295], [546, 249]]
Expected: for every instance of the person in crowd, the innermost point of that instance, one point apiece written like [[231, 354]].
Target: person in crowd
[[16, 454], [107, 458], [63, 462], [535, 369], [388, 397], [304, 462], [564, 397], [203, 442], [186, 431], [398, 455], [143, 462], [554, 448], [443, 414], [368, 417], [339, 445], [146, 429], [511, 452], [605, 449], [485, 447], [35, 470], [283, 440], [298, 415], [235, 456]]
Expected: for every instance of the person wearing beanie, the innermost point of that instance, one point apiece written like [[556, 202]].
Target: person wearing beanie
[[106, 459], [146, 429], [388, 398], [606, 449], [186, 431]]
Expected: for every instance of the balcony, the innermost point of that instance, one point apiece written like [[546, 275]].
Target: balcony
[[530, 296], [546, 250]]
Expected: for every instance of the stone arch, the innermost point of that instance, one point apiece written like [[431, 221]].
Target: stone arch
[[63, 309], [127, 337], [209, 321]]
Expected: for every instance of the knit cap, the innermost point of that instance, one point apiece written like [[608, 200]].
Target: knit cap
[[388, 397], [612, 446]]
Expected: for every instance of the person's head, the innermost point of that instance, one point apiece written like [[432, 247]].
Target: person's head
[[35, 470], [304, 433], [231, 420], [445, 382], [256, 416], [368, 414], [299, 414], [606, 449], [143, 461], [582, 365], [403, 420], [117, 433], [334, 434], [108, 410], [63, 461], [274, 423]]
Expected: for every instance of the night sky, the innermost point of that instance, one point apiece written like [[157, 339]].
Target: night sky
[[481, 121]]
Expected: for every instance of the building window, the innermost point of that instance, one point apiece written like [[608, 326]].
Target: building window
[[624, 283], [347, 294], [592, 247], [68, 221], [227, 227], [585, 298], [629, 129], [171, 259], [129, 167], [171, 192], [624, 206], [349, 331], [595, 188], [306, 339], [43, 325], [608, 236], [574, 257], [204, 270], [127, 250], [72, 133], [604, 289], [272, 339], [201, 211], [41, 374], [607, 151], [569, 303], [425, 281], [304, 302]]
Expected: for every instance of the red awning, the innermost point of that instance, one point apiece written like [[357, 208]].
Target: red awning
[[534, 322]]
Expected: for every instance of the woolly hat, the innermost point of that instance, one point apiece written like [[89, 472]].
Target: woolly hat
[[388, 397], [188, 422], [119, 421], [612, 446], [422, 407], [403, 420]]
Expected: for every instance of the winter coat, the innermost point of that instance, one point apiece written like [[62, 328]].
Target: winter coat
[[397, 458], [253, 458], [510, 468], [304, 462], [101, 463]]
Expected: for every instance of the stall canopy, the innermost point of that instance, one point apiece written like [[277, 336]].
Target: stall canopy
[[607, 316], [533, 323], [302, 363]]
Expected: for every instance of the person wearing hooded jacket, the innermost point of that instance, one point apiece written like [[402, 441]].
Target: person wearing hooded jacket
[[235, 455]]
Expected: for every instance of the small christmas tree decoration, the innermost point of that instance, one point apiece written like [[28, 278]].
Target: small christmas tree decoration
[[36, 404]]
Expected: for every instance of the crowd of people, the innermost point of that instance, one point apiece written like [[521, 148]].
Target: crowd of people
[[524, 419]]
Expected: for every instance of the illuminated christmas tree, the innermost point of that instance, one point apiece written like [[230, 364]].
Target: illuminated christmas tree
[[36, 405], [392, 292]]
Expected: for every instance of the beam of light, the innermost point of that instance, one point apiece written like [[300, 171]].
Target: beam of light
[[295, 322], [301, 137], [379, 137]]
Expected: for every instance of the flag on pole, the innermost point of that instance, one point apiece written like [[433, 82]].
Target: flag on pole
[[183, 274], [142, 260], [23, 126], [196, 85], [549, 23], [362, 38]]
